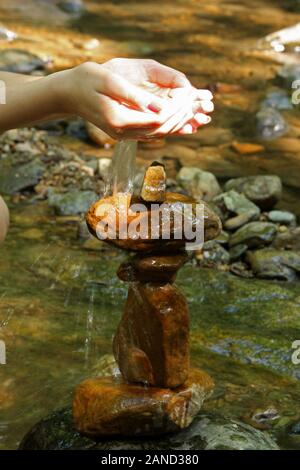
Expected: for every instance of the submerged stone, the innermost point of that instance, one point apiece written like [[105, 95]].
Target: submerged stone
[[209, 431], [254, 234], [278, 99], [17, 178], [71, 203], [263, 190], [290, 239], [19, 61], [247, 148], [237, 251], [274, 264], [282, 217], [213, 254], [233, 202], [288, 74], [151, 345], [107, 406], [71, 6], [200, 184], [270, 124]]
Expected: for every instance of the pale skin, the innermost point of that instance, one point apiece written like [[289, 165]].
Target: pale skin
[[127, 98]]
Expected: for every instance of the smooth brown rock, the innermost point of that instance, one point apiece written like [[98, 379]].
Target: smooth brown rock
[[247, 148], [154, 184], [97, 213], [107, 406], [152, 268], [151, 345]]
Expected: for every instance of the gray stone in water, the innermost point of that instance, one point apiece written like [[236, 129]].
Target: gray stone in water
[[282, 217], [289, 239], [270, 124], [239, 220], [71, 203], [14, 179], [236, 203], [279, 100], [209, 431], [222, 238], [19, 61], [274, 264], [254, 234], [214, 253], [237, 251], [263, 190], [71, 6], [200, 184], [288, 74]]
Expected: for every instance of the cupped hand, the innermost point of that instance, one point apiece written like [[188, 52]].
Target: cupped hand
[[119, 97]]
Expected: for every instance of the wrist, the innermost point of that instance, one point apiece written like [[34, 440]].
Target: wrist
[[59, 85]]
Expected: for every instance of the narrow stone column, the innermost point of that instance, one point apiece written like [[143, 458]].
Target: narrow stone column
[[151, 345]]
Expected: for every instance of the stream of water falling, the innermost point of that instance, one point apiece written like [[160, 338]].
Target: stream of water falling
[[123, 168]]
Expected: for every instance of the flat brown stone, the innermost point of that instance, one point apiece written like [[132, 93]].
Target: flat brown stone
[[151, 345], [97, 213], [152, 268], [107, 406]]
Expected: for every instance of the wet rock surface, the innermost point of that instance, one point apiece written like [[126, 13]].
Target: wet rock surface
[[154, 184], [270, 124], [200, 184], [72, 202], [263, 190], [254, 234], [20, 61], [152, 268], [275, 264], [153, 347], [17, 178], [107, 406], [209, 431], [174, 202]]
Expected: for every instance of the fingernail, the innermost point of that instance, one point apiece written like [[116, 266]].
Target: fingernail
[[202, 118], [154, 106]]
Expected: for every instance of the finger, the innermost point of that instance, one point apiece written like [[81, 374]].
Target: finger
[[123, 117], [166, 76], [171, 122], [187, 117], [187, 129], [202, 119], [204, 95], [203, 106]]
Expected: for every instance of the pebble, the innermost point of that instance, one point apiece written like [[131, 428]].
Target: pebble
[[270, 124], [282, 217], [254, 234]]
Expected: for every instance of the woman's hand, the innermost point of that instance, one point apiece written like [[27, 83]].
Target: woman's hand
[[127, 98], [134, 99]]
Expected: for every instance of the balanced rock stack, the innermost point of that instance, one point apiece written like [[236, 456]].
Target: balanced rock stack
[[156, 391]]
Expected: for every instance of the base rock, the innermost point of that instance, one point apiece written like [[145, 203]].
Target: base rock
[[209, 431], [108, 406]]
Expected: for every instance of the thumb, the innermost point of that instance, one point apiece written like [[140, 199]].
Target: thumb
[[117, 87]]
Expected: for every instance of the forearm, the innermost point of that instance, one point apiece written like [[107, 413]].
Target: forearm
[[31, 99]]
